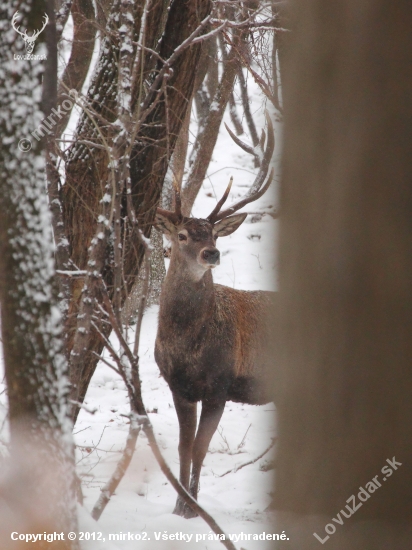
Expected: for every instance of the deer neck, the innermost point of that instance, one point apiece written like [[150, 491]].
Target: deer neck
[[186, 301]]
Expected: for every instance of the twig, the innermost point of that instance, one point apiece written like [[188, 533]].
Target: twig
[[241, 444], [181, 491], [119, 472], [106, 362], [169, 62], [237, 468], [142, 302], [225, 441], [209, 34], [94, 447], [86, 428], [66, 273], [268, 24], [84, 407], [246, 108]]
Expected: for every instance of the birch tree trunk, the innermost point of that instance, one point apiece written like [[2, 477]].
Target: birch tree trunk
[[345, 356]]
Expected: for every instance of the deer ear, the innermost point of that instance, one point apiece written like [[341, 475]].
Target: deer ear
[[228, 225], [164, 222]]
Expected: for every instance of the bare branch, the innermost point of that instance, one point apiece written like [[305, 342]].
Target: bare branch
[[181, 491], [234, 116], [84, 32], [118, 474], [169, 62], [71, 274], [237, 468], [84, 407], [62, 255], [266, 25], [208, 135], [209, 34], [264, 87], [142, 303], [246, 108], [107, 363]]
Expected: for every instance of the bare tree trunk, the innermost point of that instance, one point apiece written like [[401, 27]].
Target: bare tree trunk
[[39, 488], [84, 33], [246, 107], [206, 140], [207, 81], [175, 171], [156, 277], [155, 143], [344, 394]]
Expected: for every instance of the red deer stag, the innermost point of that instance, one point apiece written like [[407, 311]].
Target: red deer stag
[[211, 338]]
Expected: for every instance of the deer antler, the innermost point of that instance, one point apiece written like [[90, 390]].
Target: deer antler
[[24, 34], [221, 202], [13, 24], [36, 33], [257, 189]]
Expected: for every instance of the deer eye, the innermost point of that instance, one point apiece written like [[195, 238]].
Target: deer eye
[[182, 237]]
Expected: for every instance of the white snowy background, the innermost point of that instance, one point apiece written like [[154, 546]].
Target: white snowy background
[[144, 500]]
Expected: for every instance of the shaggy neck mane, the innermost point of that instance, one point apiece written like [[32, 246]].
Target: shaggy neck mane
[[184, 300]]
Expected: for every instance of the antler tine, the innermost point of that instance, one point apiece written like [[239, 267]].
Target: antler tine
[[220, 203], [46, 20], [234, 208], [46, 17], [13, 24], [242, 145], [256, 189], [262, 140], [36, 33], [265, 160]]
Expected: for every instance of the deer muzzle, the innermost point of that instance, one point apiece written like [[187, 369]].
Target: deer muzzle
[[210, 256]]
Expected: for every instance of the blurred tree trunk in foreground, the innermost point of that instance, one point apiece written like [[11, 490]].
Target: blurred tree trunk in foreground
[[37, 485], [346, 276]]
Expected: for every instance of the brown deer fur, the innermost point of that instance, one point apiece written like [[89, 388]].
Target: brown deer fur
[[211, 340]]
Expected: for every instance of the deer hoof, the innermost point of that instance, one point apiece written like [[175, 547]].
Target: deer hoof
[[183, 510]]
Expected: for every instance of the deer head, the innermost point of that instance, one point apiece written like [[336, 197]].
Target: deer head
[[193, 240], [29, 40]]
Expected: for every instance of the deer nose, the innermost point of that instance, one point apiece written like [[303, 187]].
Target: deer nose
[[211, 255]]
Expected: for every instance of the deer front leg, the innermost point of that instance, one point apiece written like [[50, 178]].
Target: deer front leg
[[212, 410], [186, 415]]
